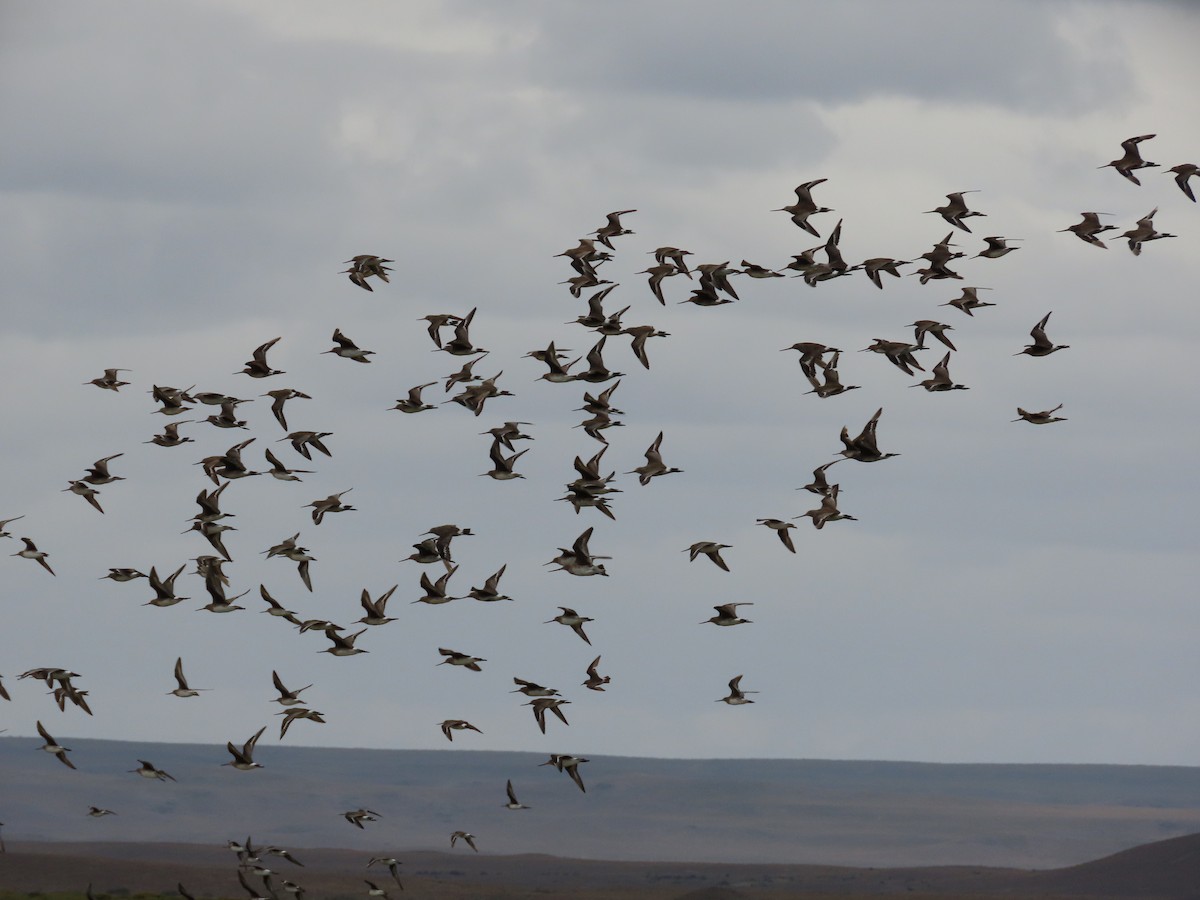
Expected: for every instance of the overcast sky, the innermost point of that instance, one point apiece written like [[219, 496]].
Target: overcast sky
[[182, 182]]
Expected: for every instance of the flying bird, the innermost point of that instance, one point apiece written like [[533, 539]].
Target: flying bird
[[1132, 159]]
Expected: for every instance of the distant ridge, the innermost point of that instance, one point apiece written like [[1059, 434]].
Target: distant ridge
[[1163, 870], [734, 811]]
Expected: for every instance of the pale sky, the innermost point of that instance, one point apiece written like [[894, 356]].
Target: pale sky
[[183, 181]]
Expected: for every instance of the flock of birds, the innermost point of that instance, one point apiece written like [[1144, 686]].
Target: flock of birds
[[593, 488]]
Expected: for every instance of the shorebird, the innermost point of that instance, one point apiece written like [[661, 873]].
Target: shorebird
[[356, 817], [466, 836], [374, 890], [474, 397], [436, 322], [1182, 173], [279, 471], [53, 746], [828, 510], [657, 274], [956, 210], [595, 681], [347, 349], [598, 423], [183, 690], [727, 614], [582, 256], [512, 803], [676, 256], [811, 353], [805, 206], [968, 301], [756, 271], [580, 283], [830, 382], [454, 658], [601, 403], [97, 812], [864, 447], [543, 704], [302, 440], [292, 713], [1143, 233], [443, 535], [148, 770], [595, 316], [714, 277], [640, 334], [172, 399], [464, 375], [449, 726], [32, 552], [375, 612], [426, 553], [898, 353], [1087, 229], [737, 697], [1045, 417], [4, 524], [343, 645], [552, 357], [219, 602], [365, 266], [253, 892], [711, 549], [941, 380], [874, 266], [164, 589], [507, 433], [257, 367], [86, 491], [213, 532], [996, 247], [4, 695], [922, 327], [502, 466], [170, 435], [392, 866], [300, 556], [490, 592], [579, 560], [780, 527], [109, 381], [1042, 345], [461, 344], [936, 271], [227, 418], [275, 608], [435, 591], [331, 504], [573, 620], [279, 397], [1132, 158], [243, 759], [612, 228], [568, 764], [532, 689], [99, 474], [286, 697], [597, 371], [654, 464], [413, 403]]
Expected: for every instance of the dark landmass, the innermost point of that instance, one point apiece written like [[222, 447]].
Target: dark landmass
[[1164, 870], [734, 811]]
